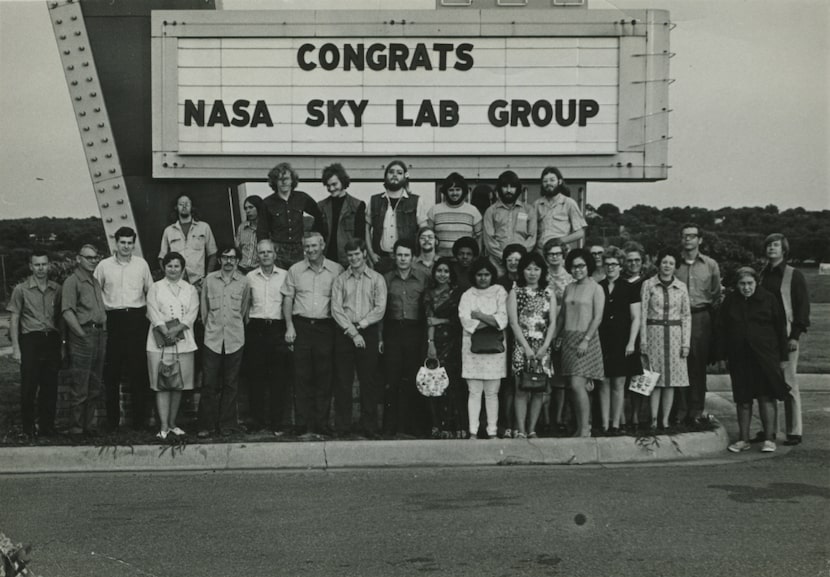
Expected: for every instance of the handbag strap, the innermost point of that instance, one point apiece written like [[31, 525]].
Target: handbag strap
[[174, 352], [437, 363]]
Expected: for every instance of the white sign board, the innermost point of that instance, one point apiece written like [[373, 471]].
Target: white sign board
[[415, 95]]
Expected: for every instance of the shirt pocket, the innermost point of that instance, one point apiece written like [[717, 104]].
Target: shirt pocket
[[522, 222], [198, 242]]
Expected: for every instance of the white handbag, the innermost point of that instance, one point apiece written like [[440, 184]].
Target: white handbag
[[432, 381], [644, 384]]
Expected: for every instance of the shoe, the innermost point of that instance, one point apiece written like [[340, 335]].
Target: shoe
[[508, 434], [162, 435], [278, 433], [203, 434], [768, 447], [473, 437], [792, 440], [177, 431], [532, 435], [310, 437], [739, 446], [760, 437], [520, 435]]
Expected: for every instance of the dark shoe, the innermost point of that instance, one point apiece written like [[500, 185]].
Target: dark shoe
[[792, 440]]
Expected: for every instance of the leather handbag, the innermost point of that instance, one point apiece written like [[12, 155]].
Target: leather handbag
[[533, 379], [432, 381], [170, 372], [487, 341]]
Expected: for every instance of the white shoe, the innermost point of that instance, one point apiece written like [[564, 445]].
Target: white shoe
[[162, 435], [768, 447], [739, 446], [177, 431]]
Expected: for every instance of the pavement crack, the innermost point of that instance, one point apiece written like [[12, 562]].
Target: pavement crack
[[325, 456]]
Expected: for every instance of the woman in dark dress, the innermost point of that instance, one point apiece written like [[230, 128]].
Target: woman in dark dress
[[618, 335], [754, 341], [444, 343], [510, 258]]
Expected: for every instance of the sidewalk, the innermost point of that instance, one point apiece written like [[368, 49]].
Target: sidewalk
[[368, 454]]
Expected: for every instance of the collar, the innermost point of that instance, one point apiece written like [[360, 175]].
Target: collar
[[517, 204], [700, 257], [31, 283], [327, 264], [779, 268], [277, 270], [404, 193], [178, 224], [82, 275], [364, 272]]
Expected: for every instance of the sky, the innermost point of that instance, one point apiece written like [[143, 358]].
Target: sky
[[750, 124]]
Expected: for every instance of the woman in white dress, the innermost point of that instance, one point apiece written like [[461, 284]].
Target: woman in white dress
[[483, 305], [171, 299]]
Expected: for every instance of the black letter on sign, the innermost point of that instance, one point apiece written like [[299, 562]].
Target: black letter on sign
[[240, 111], [560, 119], [357, 110], [399, 119], [502, 118], [196, 113], [398, 53], [304, 49], [420, 58], [261, 115], [465, 59], [587, 109], [218, 115], [449, 112], [442, 50], [316, 117], [334, 108]]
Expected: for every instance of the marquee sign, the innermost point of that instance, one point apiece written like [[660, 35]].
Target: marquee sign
[[313, 85]]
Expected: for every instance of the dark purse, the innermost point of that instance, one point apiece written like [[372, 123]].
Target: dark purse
[[533, 379], [170, 373], [487, 341]]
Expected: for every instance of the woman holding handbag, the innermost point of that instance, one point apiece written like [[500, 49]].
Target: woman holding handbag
[[483, 315], [172, 306], [531, 308], [448, 412]]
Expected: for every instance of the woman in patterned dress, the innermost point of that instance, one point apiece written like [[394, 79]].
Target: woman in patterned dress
[[531, 308], [449, 415], [484, 304], [578, 327], [665, 333]]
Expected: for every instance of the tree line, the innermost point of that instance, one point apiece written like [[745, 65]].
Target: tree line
[[733, 236]]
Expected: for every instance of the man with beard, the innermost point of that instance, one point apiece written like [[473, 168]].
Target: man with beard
[[558, 215], [454, 217], [508, 221], [394, 214], [191, 238], [283, 215]]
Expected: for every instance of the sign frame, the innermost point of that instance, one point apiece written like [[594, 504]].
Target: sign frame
[[642, 131]]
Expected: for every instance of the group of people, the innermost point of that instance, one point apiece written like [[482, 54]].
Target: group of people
[[311, 295]]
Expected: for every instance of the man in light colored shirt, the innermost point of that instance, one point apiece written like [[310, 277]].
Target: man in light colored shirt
[[701, 274], [454, 218], [426, 256], [358, 303], [125, 280], [35, 333], [191, 238], [225, 299], [394, 214], [403, 345], [508, 221], [82, 307], [558, 215], [267, 352], [310, 329]]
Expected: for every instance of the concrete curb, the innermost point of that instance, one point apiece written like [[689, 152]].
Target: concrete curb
[[361, 454]]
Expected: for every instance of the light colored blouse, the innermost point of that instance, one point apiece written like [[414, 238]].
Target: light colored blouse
[[168, 300], [491, 301]]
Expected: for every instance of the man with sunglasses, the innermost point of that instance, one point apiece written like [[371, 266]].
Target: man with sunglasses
[[82, 307]]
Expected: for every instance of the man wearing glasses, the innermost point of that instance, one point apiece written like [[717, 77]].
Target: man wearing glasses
[[82, 307], [225, 300], [702, 277]]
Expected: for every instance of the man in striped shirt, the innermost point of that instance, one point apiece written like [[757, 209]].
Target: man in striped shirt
[[454, 218]]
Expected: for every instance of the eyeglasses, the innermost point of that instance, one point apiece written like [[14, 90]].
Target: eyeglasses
[[557, 253], [576, 266], [597, 253], [612, 264], [633, 260], [90, 257], [228, 257]]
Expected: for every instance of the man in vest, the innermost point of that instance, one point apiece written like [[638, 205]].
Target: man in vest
[[789, 285], [394, 214], [344, 216]]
